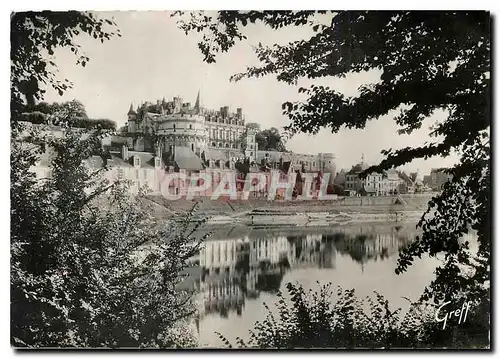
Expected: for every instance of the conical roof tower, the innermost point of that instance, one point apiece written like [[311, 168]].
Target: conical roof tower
[[197, 105], [131, 110]]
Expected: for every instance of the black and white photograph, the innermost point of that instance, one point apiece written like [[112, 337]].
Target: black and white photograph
[[250, 179]]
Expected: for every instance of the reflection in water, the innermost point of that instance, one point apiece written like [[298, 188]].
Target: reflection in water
[[248, 263], [241, 268]]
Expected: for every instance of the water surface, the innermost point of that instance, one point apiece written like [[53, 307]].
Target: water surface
[[242, 267]]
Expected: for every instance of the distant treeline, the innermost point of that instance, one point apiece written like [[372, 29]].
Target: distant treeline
[[72, 112]]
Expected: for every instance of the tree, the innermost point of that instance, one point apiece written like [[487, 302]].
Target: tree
[[428, 61], [267, 140], [34, 33], [43, 107], [243, 167], [90, 265], [74, 107], [270, 140], [253, 125]]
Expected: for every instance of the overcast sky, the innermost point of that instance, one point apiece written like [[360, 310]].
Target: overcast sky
[[154, 59]]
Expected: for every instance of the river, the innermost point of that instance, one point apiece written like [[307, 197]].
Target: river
[[240, 268]]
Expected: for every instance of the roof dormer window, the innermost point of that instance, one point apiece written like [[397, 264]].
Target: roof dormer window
[[137, 161], [157, 162]]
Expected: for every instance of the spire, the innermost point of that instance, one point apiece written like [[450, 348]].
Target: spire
[[131, 110], [362, 158], [197, 103]]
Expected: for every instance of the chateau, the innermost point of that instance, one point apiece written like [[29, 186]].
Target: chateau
[[168, 137], [211, 138]]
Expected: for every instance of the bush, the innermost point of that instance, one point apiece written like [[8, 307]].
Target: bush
[[314, 320], [87, 123], [35, 117]]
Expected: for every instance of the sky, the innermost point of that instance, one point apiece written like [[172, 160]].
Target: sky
[[154, 59]]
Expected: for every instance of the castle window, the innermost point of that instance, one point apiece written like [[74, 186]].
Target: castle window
[[220, 144], [192, 147], [227, 145], [213, 144], [137, 161], [190, 127], [174, 127]]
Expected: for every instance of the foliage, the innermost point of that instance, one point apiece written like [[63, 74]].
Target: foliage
[[70, 113], [101, 123], [123, 129], [45, 107], [34, 37], [243, 166], [253, 125], [69, 109], [428, 62], [35, 117], [267, 140], [462, 206], [270, 140], [315, 320], [90, 265]]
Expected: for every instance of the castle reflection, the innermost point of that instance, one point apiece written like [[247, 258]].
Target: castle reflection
[[241, 263]]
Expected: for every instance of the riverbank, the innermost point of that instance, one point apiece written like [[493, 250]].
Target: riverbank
[[298, 213]]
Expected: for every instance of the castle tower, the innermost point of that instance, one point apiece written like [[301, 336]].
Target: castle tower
[[251, 146], [328, 165], [132, 117]]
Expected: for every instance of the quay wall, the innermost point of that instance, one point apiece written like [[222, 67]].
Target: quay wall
[[386, 204]]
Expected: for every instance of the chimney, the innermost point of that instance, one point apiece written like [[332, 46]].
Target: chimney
[[239, 112], [125, 152]]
